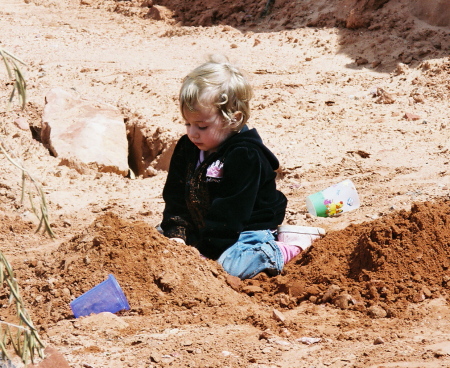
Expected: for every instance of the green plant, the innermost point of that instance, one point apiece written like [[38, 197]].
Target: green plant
[[15, 74], [23, 336], [19, 87]]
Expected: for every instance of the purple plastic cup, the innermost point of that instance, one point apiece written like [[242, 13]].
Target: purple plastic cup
[[104, 297]]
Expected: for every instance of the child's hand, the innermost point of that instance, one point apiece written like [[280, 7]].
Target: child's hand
[[179, 240]]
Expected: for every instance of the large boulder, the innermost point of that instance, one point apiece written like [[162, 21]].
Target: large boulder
[[84, 131]]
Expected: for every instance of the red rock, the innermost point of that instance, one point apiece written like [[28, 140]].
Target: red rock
[[85, 131], [234, 282], [53, 359], [277, 315], [410, 117]]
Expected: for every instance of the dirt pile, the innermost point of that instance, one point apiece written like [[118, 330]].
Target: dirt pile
[[155, 273], [388, 264], [391, 262]]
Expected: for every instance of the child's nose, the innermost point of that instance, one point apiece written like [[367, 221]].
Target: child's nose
[[192, 131]]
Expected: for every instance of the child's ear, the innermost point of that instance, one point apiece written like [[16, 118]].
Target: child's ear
[[237, 118]]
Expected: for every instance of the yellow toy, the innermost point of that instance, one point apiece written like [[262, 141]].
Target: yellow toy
[[334, 208]]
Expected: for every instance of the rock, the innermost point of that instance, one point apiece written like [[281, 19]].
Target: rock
[[411, 117], [375, 63], [418, 297], [378, 341], [284, 300], [22, 123], [384, 97], [155, 357], [361, 61], [313, 299], [343, 301], [417, 97], [168, 282], [313, 290], [84, 131], [309, 340], [330, 293], [53, 359], [277, 315], [375, 311], [252, 289], [234, 282]]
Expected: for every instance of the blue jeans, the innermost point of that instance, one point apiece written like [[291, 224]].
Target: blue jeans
[[254, 252]]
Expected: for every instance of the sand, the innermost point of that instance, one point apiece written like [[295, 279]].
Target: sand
[[343, 90]]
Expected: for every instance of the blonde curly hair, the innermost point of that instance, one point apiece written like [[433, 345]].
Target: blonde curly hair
[[221, 84]]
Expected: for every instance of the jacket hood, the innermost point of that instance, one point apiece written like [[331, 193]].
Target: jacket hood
[[251, 137]]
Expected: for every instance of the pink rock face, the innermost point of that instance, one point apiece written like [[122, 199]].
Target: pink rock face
[[85, 131]]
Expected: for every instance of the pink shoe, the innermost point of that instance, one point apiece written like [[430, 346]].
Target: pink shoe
[[300, 236]]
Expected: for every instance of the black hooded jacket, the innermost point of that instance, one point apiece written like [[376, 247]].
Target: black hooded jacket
[[210, 209]]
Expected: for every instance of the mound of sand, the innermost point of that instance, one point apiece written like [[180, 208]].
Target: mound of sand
[[393, 261], [388, 263], [154, 272]]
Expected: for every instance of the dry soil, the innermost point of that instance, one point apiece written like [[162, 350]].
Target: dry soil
[[343, 90]]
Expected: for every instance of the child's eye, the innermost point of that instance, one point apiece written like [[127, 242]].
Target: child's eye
[[187, 124], [203, 128]]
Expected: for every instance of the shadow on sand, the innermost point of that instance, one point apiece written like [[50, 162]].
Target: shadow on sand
[[376, 33]]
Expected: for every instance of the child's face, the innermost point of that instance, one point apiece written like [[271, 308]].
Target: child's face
[[205, 128]]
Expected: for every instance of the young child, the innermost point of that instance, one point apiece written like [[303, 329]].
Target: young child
[[220, 194]]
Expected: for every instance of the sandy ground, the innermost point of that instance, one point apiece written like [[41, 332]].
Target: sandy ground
[[339, 94]]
